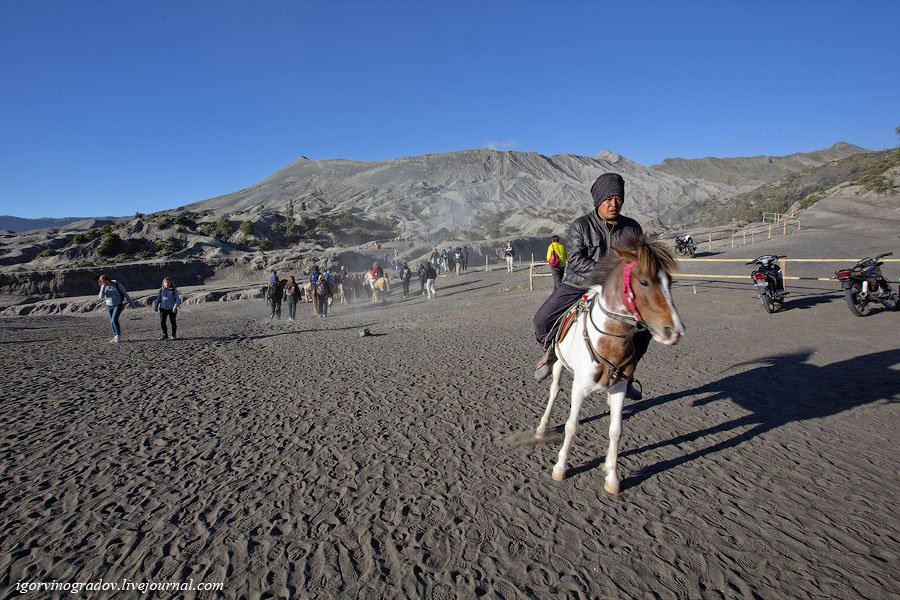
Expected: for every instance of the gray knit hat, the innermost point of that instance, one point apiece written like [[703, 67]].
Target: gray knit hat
[[608, 184]]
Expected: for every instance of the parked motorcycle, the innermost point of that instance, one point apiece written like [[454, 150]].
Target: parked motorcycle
[[864, 284], [684, 245], [767, 279]]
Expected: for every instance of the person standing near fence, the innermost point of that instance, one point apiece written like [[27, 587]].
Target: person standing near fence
[[556, 259], [510, 254]]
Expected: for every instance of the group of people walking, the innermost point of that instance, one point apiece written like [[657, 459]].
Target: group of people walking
[[115, 297]]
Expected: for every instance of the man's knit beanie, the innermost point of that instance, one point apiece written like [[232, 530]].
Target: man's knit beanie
[[608, 184]]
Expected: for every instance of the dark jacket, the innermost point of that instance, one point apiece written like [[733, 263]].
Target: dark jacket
[[589, 240]]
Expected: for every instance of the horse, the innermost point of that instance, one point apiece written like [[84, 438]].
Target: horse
[[629, 291], [380, 289]]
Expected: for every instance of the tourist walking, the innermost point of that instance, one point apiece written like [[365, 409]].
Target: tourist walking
[[421, 271], [274, 295], [405, 276], [114, 296], [430, 276], [556, 260], [168, 301], [292, 294], [321, 291]]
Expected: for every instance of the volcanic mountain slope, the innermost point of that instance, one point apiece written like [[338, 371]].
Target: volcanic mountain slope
[[750, 172], [467, 190]]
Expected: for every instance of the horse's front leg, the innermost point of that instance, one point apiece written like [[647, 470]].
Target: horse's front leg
[[616, 399], [554, 391], [578, 394]]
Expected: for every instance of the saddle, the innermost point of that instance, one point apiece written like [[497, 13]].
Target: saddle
[[564, 323]]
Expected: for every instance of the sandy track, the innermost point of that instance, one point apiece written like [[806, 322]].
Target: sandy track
[[299, 460]]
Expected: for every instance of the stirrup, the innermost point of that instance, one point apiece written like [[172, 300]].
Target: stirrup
[[633, 392]]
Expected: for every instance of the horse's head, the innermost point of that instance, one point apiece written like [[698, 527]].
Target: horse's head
[[636, 281]]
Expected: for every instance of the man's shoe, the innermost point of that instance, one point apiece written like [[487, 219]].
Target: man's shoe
[[544, 366], [634, 393], [163, 337]]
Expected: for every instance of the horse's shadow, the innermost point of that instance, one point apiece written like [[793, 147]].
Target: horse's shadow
[[782, 390]]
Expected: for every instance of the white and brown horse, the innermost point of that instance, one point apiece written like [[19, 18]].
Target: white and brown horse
[[630, 291]]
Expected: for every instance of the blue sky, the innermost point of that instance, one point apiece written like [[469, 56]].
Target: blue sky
[[110, 108]]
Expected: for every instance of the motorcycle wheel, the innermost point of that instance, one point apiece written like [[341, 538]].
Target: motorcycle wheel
[[767, 302], [691, 251], [857, 306]]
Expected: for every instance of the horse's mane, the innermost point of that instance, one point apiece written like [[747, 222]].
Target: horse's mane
[[652, 256]]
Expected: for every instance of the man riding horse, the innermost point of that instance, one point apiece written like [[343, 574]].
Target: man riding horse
[[591, 237]]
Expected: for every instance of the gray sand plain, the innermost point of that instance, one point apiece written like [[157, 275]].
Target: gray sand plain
[[301, 460]]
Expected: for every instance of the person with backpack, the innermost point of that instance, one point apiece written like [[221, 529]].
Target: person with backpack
[[421, 272], [274, 295], [322, 290], [292, 293], [458, 260], [114, 296], [405, 276], [556, 259], [509, 253], [430, 276], [168, 300]]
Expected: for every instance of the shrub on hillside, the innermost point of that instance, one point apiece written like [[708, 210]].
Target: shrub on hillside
[[169, 246], [246, 228], [222, 229], [110, 245]]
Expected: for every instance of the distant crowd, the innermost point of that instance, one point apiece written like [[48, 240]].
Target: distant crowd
[[321, 287]]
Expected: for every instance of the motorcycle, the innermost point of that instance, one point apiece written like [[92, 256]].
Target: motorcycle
[[684, 245], [863, 284], [767, 279]]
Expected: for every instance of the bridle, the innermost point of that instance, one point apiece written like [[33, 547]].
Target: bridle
[[634, 318]]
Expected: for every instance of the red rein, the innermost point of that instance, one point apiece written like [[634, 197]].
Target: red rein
[[628, 293]]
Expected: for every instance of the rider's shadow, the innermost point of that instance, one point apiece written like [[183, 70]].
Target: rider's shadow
[[782, 390]]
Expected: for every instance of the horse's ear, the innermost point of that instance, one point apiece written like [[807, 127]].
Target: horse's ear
[[626, 255]]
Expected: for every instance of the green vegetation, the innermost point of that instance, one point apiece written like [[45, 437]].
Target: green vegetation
[[810, 200], [874, 177], [169, 246], [246, 228], [222, 229], [781, 195], [110, 245], [46, 253], [264, 245]]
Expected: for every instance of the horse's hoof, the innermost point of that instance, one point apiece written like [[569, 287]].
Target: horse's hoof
[[559, 475], [611, 487]]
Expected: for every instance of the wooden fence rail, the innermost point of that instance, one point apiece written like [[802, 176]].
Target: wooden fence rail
[[533, 272]]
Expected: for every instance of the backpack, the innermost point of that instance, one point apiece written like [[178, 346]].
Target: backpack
[[554, 259], [321, 286]]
